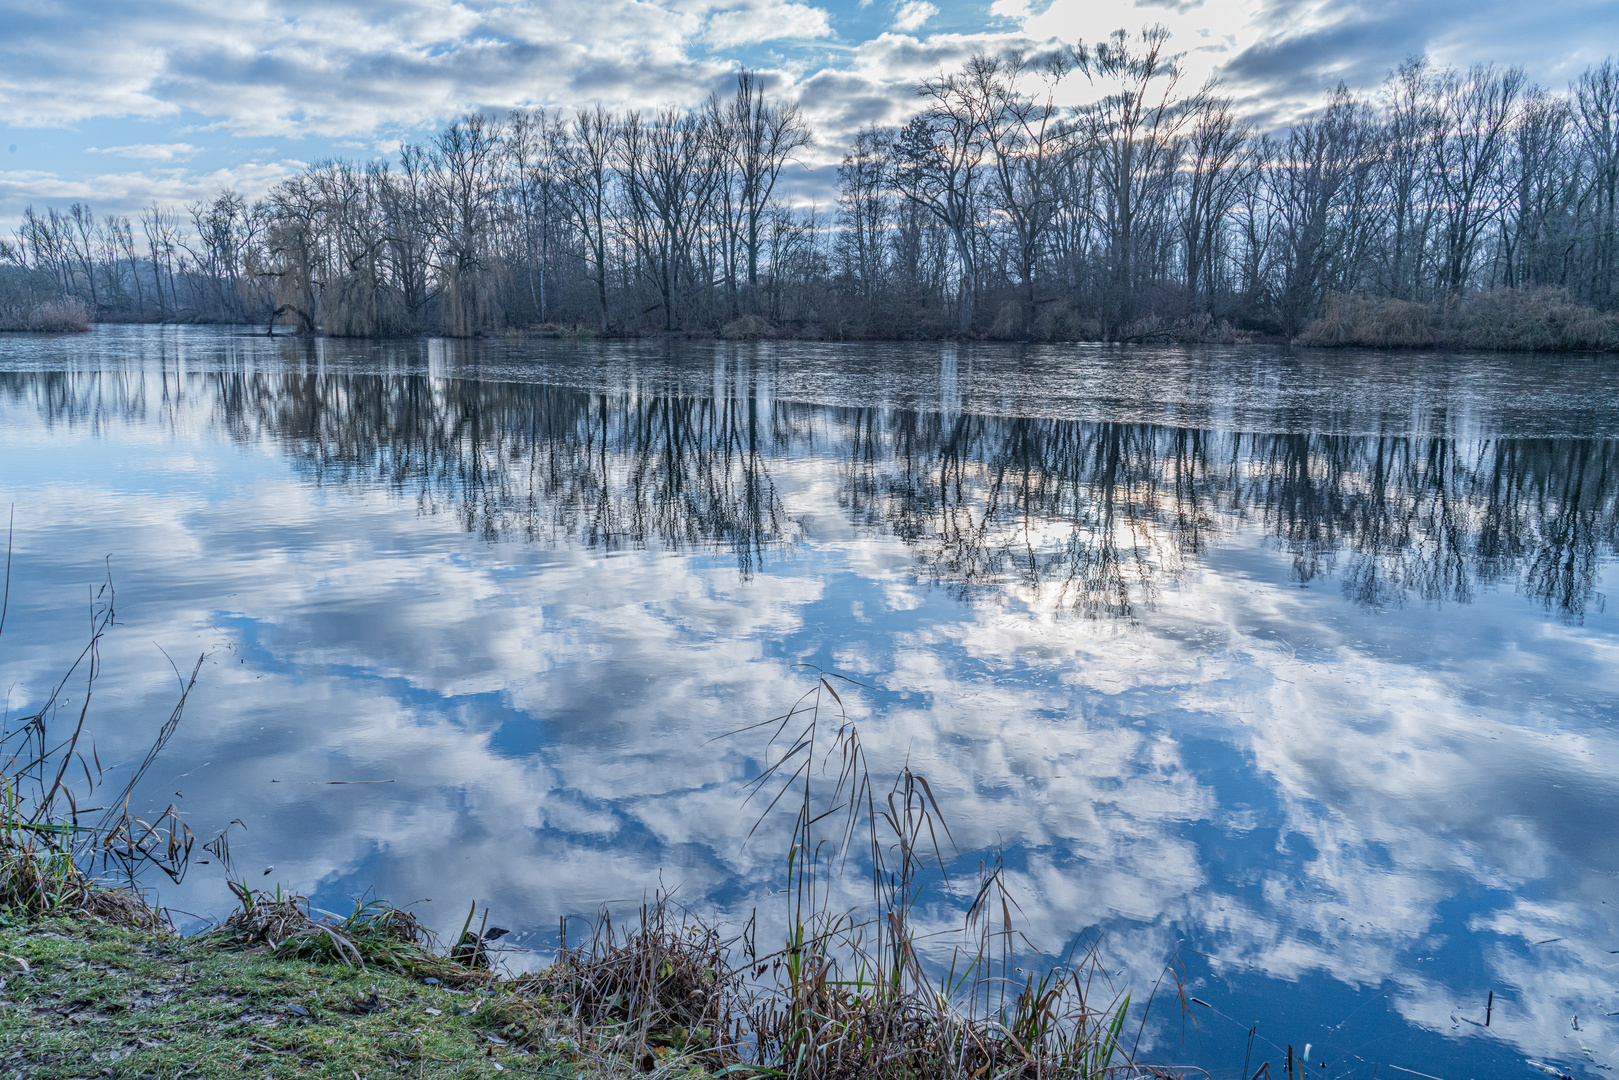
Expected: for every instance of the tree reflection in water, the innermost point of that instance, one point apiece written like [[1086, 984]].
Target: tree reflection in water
[[1091, 518]]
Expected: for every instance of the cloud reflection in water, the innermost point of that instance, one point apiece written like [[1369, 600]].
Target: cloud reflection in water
[[1320, 697]]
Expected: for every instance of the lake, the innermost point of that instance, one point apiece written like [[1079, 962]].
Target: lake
[[1299, 667]]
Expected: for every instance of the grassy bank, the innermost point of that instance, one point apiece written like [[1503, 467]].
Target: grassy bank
[[125, 997], [86, 997]]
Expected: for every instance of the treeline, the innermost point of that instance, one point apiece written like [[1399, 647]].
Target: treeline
[[1152, 210]]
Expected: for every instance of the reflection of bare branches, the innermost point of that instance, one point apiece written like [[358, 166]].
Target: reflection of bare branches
[[1093, 517], [1436, 519], [1098, 516], [545, 464], [1094, 514]]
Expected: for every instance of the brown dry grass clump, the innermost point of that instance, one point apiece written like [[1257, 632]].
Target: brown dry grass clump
[[374, 933], [1360, 321], [666, 984], [57, 315], [30, 299]]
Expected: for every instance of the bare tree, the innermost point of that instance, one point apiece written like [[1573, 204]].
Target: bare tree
[[407, 231], [80, 235], [1596, 111], [660, 164], [938, 162], [123, 241], [463, 182], [863, 212], [160, 229], [1413, 122], [1028, 137], [291, 251], [588, 174], [1477, 111], [1537, 220], [1319, 182], [763, 137], [535, 154], [1134, 128], [1218, 161]]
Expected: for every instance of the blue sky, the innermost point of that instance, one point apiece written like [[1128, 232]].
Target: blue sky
[[121, 103]]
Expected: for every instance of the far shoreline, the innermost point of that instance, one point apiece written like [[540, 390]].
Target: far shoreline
[[1501, 320]]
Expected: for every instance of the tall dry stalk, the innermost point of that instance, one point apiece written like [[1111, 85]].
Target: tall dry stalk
[[850, 995], [51, 857]]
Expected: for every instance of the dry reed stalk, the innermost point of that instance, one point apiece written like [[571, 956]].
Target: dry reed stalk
[[51, 860]]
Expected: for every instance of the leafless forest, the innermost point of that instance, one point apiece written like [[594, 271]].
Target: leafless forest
[[1154, 211]]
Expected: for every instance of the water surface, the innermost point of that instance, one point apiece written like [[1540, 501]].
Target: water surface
[[1298, 667]]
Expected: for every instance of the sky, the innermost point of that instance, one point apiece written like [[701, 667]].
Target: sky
[[120, 103]]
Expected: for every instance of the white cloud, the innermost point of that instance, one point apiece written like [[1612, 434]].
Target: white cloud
[[344, 74], [766, 20], [127, 192], [148, 151], [348, 69], [345, 69], [912, 14], [1209, 33]]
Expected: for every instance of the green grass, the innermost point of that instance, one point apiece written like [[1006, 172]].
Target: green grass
[[104, 1000]]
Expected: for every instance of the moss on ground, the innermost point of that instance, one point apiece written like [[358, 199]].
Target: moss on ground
[[82, 998]]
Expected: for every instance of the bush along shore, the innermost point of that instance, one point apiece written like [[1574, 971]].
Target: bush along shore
[[33, 300], [1511, 320], [1500, 320], [94, 982]]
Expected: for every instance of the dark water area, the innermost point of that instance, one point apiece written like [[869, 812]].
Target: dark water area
[[1298, 667]]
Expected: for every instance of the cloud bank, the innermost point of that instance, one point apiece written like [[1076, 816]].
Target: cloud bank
[[207, 94]]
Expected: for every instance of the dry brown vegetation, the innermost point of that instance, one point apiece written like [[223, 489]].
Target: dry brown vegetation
[[67, 313], [1517, 320], [32, 300]]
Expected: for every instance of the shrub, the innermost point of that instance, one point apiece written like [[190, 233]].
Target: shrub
[[1377, 324], [66, 314], [30, 300], [746, 328]]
